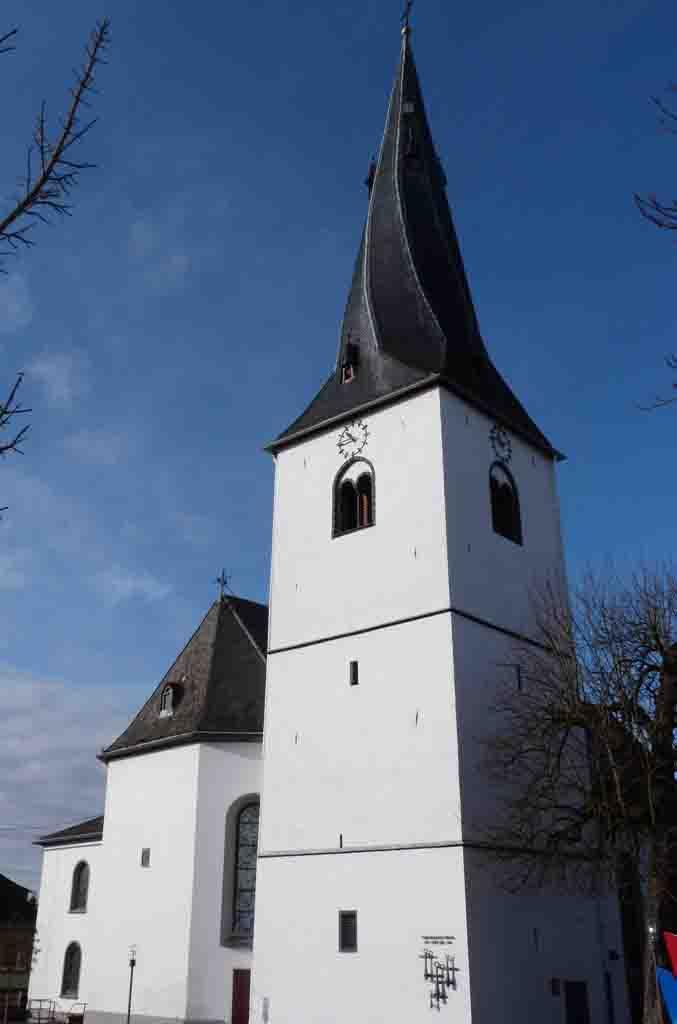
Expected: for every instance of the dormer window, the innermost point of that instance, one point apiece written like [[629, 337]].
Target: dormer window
[[350, 363], [167, 702]]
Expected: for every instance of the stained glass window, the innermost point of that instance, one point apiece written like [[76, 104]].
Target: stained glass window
[[245, 872]]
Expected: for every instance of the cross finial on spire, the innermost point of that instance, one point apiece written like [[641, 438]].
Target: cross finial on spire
[[406, 17], [222, 582]]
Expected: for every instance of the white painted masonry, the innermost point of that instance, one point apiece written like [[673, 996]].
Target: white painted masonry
[[370, 791], [175, 802]]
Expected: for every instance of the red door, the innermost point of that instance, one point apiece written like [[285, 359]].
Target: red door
[[240, 1014]]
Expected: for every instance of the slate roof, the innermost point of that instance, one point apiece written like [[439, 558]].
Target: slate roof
[[89, 831], [409, 309], [218, 683]]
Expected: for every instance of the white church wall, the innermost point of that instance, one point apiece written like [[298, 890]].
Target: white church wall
[[227, 774], [400, 562], [491, 576], [151, 802], [57, 926], [376, 762], [399, 896]]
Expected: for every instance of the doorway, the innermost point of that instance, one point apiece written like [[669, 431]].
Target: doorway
[[240, 1010]]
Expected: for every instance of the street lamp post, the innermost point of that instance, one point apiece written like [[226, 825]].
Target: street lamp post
[[132, 965]]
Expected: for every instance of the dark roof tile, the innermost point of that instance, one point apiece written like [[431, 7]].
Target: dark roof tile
[[218, 683]]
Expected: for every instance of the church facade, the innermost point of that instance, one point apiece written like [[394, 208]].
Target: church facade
[[290, 826]]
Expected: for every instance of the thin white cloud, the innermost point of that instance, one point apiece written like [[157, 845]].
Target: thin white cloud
[[16, 306], [157, 247], [50, 733], [61, 375], [118, 585], [14, 569], [98, 447]]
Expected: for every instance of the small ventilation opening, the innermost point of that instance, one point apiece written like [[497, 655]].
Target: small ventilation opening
[[347, 931]]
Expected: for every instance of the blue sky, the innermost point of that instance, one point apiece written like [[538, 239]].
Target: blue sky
[[190, 308]]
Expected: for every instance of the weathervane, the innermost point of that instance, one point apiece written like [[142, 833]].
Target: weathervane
[[407, 16], [222, 582]]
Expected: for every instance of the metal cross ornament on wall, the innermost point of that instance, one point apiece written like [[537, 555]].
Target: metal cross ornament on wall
[[439, 972]]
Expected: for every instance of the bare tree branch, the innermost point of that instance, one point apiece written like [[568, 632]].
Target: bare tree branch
[[50, 171], [10, 408]]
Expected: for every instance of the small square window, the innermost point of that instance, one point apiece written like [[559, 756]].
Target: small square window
[[354, 674], [347, 931], [145, 857]]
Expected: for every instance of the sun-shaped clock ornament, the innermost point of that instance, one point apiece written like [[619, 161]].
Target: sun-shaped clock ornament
[[500, 442], [353, 439]]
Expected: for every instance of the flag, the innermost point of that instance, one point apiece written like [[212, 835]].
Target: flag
[[668, 987], [670, 941]]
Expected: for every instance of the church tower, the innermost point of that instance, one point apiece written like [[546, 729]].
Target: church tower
[[415, 505]]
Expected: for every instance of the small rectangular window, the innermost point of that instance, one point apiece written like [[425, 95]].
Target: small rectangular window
[[347, 931], [354, 674], [145, 857]]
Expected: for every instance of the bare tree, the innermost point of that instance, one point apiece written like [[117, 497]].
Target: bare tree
[[45, 187], [582, 756], [663, 215]]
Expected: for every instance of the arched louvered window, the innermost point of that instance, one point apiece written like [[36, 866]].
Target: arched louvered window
[[505, 505], [348, 506], [365, 503], [80, 888], [246, 844], [70, 982], [353, 497]]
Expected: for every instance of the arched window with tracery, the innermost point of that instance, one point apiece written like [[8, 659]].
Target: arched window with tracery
[[70, 981], [80, 888], [244, 895], [505, 504], [353, 497]]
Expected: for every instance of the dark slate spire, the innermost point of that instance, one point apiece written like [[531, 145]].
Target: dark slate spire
[[409, 321]]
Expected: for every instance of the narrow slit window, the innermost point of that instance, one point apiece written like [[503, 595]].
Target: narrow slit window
[[354, 674], [145, 857], [347, 931]]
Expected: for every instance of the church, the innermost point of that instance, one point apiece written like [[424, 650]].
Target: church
[[288, 830]]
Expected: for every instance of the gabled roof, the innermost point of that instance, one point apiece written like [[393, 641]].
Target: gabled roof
[[90, 831], [218, 684], [409, 310]]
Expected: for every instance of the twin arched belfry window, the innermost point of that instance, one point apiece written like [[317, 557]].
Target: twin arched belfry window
[[353, 497], [70, 981], [505, 505], [80, 888]]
